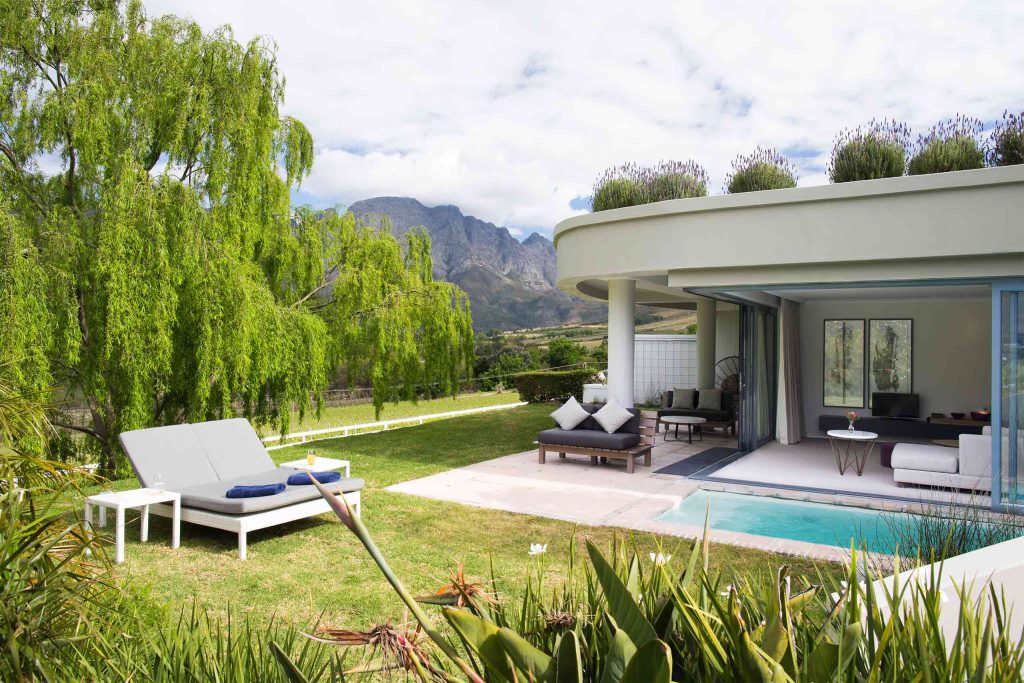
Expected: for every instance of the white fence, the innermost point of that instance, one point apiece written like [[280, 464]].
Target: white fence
[[374, 427], [661, 362]]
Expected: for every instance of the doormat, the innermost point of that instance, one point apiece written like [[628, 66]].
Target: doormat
[[698, 462]]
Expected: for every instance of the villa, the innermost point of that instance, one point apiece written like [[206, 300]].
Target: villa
[[900, 299]]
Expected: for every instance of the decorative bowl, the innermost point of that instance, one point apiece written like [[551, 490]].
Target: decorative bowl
[[981, 415], [957, 416]]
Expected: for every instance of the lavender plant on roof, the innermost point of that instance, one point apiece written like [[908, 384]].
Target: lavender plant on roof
[[877, 150], [1006, 142], [951, 145], [765, 169]]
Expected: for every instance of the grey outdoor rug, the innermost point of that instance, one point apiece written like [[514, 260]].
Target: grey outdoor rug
[[698, 462]]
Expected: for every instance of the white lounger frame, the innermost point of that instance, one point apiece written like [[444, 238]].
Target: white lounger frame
[[243, 524]]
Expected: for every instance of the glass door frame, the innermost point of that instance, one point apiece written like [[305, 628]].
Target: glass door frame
[[749, 437], [1014, 407]]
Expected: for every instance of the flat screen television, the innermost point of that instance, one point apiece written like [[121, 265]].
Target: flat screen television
[[894, 405]]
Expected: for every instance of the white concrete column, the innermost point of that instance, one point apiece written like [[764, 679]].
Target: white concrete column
[[621, 338], [707, 317]]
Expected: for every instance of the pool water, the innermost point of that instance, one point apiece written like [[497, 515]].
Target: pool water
[[835, 525]]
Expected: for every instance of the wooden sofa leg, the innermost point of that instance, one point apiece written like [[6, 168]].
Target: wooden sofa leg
[[647, 459], [562, 456], [593, 460], [540, 454], [630, 463], [242, 546]]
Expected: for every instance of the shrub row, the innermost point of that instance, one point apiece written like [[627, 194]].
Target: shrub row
[[881, 149], [548, 385]]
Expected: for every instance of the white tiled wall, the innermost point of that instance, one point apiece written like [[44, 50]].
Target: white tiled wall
[[663, 361]]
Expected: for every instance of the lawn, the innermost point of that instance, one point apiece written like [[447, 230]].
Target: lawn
[[316, 566], [361, 413]]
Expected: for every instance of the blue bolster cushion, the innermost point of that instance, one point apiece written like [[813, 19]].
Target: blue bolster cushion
[[255, 491], [300, 478]]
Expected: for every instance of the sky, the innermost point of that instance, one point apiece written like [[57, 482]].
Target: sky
[[510, 110]]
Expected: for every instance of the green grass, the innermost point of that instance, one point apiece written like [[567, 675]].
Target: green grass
[[316, 566], [362, 413]]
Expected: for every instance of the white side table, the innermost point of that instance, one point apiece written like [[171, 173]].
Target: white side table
[[858, 448], [320, 465], [119, 501]]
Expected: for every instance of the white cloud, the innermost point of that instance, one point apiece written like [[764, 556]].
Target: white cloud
[[510, 110]]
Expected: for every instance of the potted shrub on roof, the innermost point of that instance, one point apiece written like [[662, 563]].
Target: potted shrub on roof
[[878, 150], [632, 185], [949, 146], [1006, 143], [765, 169]]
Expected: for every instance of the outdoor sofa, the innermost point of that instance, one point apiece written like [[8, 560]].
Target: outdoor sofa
[[967, 467], [632, 440], [724, 417], [202, 461]]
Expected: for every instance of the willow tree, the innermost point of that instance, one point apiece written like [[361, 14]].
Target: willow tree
[[152, 262]]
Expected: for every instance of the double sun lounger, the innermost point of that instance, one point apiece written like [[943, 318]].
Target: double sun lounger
[[203, 461]]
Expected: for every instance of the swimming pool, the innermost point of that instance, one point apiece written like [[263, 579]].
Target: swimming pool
[[835, 525]]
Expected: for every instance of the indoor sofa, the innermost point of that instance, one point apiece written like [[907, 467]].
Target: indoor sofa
[[203, 461], [967, 467]]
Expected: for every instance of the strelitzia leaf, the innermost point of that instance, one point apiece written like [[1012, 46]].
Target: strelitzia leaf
[[651, 663], [568, 664], [291, 671], [481, 636], [620, 651], [621, 605], [535, 664]]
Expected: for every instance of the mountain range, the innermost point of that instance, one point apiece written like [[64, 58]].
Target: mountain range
[[510, 284]]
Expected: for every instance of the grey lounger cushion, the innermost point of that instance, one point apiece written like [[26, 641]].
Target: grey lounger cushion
[[588, 438], [210, 496], [233, 448], [172, 454]]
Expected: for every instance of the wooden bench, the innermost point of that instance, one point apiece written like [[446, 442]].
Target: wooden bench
[[648, 430]]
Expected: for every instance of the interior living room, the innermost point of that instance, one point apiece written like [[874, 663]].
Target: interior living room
[[908, 364]]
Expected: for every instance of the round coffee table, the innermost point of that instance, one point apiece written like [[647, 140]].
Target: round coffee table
[[858, 447], [690, 423]]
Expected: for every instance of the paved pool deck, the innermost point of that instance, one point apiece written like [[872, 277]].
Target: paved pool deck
[[574, 490]]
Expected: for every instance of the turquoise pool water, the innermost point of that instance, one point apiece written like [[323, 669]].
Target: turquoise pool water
[[836, 525]]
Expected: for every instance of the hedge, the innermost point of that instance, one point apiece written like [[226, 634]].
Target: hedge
[[547, 385]]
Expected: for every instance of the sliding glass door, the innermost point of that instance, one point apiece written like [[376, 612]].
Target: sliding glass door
[[758, 354], [1008, 397]]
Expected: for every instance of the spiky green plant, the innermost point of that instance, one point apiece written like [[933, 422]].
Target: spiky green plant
[[951, 145], [1006, 142], [878, 150], [624, 621], [765, 169]]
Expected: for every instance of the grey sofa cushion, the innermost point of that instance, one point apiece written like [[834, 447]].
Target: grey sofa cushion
[[172, 454], [709, 399], [631, 427], [684, 398], [588, 438], [211, 495], [233, 447]]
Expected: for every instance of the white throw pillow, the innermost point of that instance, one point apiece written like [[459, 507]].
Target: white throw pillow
[[570, 414], [612, 416]]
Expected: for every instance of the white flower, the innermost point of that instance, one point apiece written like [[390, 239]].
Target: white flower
[[537, 548], [728, 589], [660, 559]]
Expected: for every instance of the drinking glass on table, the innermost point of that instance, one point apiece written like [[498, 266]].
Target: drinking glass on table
[[159, 484], [311, 457]]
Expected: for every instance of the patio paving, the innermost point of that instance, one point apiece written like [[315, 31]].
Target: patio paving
[[600, 495]]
